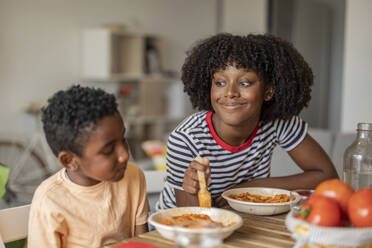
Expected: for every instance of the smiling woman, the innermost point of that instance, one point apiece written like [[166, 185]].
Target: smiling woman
[[250, 90]]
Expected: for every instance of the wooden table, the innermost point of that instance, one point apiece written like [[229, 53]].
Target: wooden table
[[257, 231]]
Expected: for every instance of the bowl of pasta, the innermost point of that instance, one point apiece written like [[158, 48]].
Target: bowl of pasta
[[187, 226], [260, 200]]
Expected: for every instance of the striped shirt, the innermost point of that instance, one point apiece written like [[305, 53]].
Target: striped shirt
[[230, 165]]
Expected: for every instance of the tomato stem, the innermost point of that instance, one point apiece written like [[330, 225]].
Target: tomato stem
[[304, 211]]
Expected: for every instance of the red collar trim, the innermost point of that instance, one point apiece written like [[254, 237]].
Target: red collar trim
[[220, 142]]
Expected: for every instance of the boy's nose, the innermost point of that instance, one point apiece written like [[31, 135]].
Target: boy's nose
[[121, 159], [123, 154]]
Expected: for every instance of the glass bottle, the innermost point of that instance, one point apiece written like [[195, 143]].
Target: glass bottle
[[357, 167]]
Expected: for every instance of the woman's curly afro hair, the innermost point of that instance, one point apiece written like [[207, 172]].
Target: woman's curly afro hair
[[275, 61], [70, 114]]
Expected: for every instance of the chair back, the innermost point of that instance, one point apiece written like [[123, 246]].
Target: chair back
[[14, 223], [283, 165]]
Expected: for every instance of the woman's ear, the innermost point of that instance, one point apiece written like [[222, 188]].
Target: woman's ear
[[269, 93], [68, 160]]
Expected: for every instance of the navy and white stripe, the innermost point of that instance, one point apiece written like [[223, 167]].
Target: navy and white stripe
[[193, 138]]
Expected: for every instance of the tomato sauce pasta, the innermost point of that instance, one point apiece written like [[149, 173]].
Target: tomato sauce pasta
[[260, 198], [192, 221]]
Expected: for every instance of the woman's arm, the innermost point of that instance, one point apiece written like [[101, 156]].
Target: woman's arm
[[311, 158]]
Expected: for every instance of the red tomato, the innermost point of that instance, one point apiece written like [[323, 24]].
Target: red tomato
[[360, 208], [321, 211], [337, 190]]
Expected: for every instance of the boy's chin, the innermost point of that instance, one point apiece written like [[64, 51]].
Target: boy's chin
[[118, 176]]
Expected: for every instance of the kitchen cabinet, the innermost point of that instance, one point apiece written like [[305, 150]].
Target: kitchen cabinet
[[118, 55], [132, 62]]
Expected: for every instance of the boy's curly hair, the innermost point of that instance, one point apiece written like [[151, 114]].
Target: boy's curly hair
[[275, 61], [71, 114]]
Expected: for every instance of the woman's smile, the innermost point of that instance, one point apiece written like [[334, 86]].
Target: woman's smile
[[230, 105]]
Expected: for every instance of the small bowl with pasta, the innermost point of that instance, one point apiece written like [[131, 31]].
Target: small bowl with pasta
[[188, 226], [260, 200]]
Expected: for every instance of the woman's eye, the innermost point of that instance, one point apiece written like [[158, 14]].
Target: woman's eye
[[245, 83], [123, 139], [219, 83]]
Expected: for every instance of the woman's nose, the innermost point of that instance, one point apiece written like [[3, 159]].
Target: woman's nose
[[231, 90]]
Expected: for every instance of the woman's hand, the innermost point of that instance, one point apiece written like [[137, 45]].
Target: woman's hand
[[190, 180]]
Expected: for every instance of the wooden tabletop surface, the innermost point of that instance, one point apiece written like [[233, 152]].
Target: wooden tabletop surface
[[257, 231]]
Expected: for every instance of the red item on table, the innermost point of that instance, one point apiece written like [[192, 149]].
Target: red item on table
[[135, 245]]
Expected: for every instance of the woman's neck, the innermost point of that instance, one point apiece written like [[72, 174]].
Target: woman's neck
[[233, 135]]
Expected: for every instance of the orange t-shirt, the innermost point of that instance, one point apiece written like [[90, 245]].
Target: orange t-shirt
[[64, 214]]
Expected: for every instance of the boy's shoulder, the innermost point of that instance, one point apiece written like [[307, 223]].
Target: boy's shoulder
[[56, 181], [48, 187], [56, 184], [50, 182]]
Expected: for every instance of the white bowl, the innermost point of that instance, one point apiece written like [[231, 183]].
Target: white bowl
[[308, 234], [185, 235], [260, 208]]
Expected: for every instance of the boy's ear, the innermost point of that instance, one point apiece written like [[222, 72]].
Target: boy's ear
[[68, 160], [269, 93]]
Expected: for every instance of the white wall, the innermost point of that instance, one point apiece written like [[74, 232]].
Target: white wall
[[323, 46], [244, 16], [337, 8], [357, 78], [40, 42], [40, 45], [311, 35]]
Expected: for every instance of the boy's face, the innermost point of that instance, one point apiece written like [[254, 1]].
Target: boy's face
[[237, 96], [105, 155]]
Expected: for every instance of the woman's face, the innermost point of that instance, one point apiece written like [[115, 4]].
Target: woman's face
[[237, 96]]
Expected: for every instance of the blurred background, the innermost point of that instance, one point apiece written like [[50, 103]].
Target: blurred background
[[135, 49]]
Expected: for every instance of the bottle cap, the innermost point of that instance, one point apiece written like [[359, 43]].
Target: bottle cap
[[365, 126]]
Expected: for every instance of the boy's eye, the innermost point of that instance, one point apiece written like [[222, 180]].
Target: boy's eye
[[109, 150], [219, 83]]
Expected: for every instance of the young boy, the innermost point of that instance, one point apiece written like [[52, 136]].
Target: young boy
[[98, 197]]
